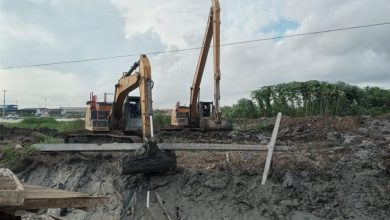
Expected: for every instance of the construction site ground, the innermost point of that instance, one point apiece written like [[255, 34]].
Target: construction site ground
[[335, 168]]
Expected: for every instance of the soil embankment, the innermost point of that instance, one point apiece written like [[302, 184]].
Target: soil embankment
[[336, 168]]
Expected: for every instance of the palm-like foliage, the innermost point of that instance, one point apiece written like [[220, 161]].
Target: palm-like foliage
[[312, 98]]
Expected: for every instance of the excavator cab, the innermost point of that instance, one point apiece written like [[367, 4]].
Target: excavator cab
[[205, 109], [132, 114], [208, 118]]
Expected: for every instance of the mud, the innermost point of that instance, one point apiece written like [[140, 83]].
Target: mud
[[336, 168], [24, 137]]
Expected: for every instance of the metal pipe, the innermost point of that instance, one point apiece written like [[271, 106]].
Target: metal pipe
[[135, 66]]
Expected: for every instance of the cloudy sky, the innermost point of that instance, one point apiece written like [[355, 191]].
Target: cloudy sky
[[43, 31]]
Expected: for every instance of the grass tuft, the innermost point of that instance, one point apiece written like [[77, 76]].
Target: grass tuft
[[14, 157]]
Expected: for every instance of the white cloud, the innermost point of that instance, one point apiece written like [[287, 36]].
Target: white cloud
[[360, 57], [171, 20], [29, 86], [11, 32]]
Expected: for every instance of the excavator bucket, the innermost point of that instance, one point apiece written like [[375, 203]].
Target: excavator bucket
[[209, 124], [150, 159]]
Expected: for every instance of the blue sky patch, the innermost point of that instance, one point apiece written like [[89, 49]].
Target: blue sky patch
[[280, 27]]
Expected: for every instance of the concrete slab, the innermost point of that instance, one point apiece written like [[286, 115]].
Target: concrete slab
[[163, 146]]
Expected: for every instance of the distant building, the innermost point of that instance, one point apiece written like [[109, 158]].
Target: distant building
[[9, 107], [27, 111], [62, 111], [73, 110]]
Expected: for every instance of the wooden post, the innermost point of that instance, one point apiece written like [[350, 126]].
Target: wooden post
[[271, 148]]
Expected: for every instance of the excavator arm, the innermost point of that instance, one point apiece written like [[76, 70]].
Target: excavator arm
[[212, 32], [216, 50], [127, 83]]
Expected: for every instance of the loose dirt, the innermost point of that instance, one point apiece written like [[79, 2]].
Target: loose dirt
[[336, 168], [24, 137]]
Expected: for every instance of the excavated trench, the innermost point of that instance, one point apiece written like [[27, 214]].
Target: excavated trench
[[336, 168]]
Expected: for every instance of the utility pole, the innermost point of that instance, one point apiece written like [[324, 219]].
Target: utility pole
[[4, 91], [17, 107], [45, 98]]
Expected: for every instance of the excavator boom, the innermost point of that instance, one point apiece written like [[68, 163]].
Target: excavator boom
[[199, 112], [204, 115], [126, 114], [212, 32], [128, 83], [216, 50], [204, 51]]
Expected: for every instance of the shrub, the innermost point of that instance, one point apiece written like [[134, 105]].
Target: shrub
[[160, 120]]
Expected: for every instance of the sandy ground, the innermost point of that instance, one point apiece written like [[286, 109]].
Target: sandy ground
[[336, 168]]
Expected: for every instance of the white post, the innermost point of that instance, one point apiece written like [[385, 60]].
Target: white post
[[271, 148], [151, 127], [147, 199], [147, 205]]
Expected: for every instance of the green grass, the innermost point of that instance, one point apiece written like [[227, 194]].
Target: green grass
[[51, 123], [46, 139], [12, 156]]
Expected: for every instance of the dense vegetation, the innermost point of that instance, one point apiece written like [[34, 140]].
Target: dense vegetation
[[311, 98], [51, 123]]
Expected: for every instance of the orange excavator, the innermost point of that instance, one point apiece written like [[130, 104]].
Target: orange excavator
[[204, 115], [127, 118]]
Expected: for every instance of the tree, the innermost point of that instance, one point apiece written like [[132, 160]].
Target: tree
[[245, 108], [314, 98]]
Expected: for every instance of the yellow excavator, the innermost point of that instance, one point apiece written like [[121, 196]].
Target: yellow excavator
[[127, 118], [117, 121], [204, 115]]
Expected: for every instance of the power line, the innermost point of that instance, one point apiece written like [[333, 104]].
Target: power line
[[197, 48]]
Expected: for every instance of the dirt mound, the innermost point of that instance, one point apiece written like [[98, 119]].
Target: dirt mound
[[14, 136], [336, 169], [24, 137], [209, 137]]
